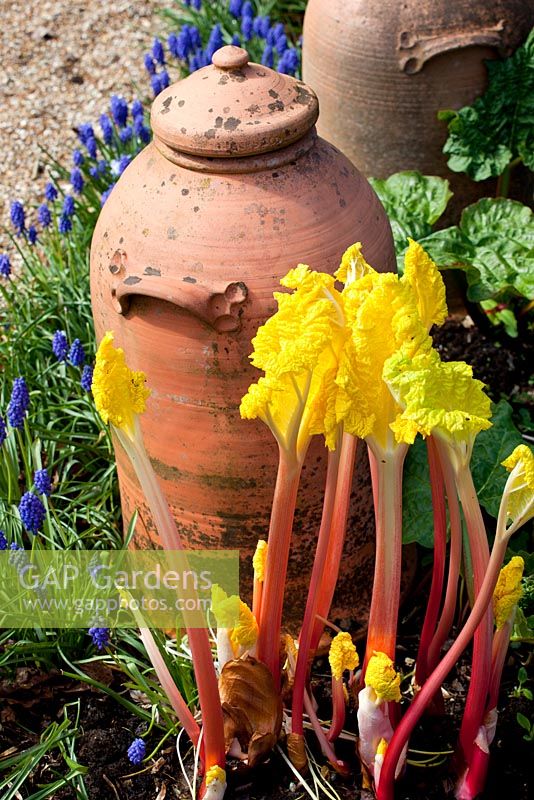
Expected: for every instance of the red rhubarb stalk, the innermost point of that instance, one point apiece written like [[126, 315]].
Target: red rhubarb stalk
[[337, 535], [455, 557], [308, 624], [438, 569], [436, 678], [281, 525]]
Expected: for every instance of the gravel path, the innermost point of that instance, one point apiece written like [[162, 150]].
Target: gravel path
[[60, 62]]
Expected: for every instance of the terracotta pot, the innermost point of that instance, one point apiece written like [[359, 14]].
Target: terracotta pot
[[235, 189], [382, 69]]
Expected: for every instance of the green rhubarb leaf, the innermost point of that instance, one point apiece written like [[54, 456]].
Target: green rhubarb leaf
[[494, 245], [499, 127], [491, 448], [413, 203]]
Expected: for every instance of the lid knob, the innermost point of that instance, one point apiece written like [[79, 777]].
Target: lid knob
[[230, 57]]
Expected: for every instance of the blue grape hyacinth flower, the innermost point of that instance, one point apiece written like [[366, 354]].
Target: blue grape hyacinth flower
[[68, 205], [157, 51], [100, 637], [60, 345], [3, 431], [235, 8], [85, 132], [267, 57], [126, 134], [106, 194], [215, 41], [5, 265], [119, 110], [44, 216], [106, 126], [50, 192], [87, 378], [65, 224], [77, 158], [92, 147], [76, 354], [76, 180], [140, 130], [18, 216], [3, 541], [18, 404], [32, 234], [137, 751], [42, 482], [32, 512], [150, 64], [137, 109]]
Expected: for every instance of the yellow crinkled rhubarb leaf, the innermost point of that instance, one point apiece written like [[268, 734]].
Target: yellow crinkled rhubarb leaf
[[427, 284], [353, 265], [259, 560], [120, 393], [245, 633], [342, 654], [508, 590], [519, 492], [225, 608], [383, 317], [438, 397], [382, 678], [298, 348]]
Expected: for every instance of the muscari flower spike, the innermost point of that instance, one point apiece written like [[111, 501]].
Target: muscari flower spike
[[106, 126], [126, 134], [342, 654], [3, 541], [64, 224], [508, 590], [137, 751], [3, 431], [18, 216], [76, 354], [42, 482], [18, 404], [119, 110], [137, 109], [68, 206], [149, 63], [76, 180], [5, 265], [158, 52], [87, 378], [60, 345], [32, 512], [32, 234], [77, 158], [120, 393], [44, 216], [50, 192], [85, 132], [100, 637]]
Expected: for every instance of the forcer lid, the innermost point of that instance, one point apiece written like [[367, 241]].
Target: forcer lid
[[233, 108]]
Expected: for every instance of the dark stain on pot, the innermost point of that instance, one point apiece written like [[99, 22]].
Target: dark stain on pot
[[210, 134], [277, 106], [167, 105], [183, 130], [253, 109], [196, 208], [152, 271], [185, 191], [132, 280], [232, 123], [304, 97], [189, 279], [172, 233], [181, 103], [272, 93], [218, 122]]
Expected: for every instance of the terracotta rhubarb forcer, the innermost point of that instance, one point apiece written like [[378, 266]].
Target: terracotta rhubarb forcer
[[382, 69], [235, 189]]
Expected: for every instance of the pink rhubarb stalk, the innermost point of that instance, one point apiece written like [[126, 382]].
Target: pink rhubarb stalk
[[386, 470], [336, 536], [455, 557], [187, 720], [206, 678], [280, 528], [306, 633]]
